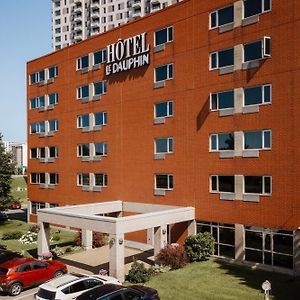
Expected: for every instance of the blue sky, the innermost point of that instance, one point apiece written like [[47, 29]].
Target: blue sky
[[25, 27]]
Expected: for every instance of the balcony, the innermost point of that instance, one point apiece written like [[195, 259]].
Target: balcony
[[136, 14], [77, 36], [155, 2], [77, 1], [77, 18], [77, 27], [136, 4], [95, 13], [94, 32], [95, 24], [78, 10]]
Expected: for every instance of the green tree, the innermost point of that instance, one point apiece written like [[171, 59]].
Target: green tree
[[7, 169]]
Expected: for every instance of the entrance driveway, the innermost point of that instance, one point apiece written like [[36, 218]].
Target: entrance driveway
[[90, 262]]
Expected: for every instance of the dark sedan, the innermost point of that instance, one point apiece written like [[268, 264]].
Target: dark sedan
[[3, 216], [119, 292]]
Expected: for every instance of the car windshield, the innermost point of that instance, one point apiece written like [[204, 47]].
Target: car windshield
[[3, 271], [46, 294]]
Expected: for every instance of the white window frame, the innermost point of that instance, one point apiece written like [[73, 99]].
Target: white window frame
[[104, 175], [217, 142], [56, 151], [218, 188], [263, 139], [263, 11], [79, 121], [168, 109], [263, 185], [79, 178], [217, 18], [168, 35], [168, 72], [104, 118], [104, 87], [80, 149], [217, 52], [79, 91], [56, 98], [104, 56], [168, 141], [56, 178], [79, 62], [264, 55], [218, 101], [263, 86], [55, 125], [55, 72], [165, 189], [104, 148]]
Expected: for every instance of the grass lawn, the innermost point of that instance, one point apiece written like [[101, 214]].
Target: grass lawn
[[212, 280], [66, 237], [22, 194]]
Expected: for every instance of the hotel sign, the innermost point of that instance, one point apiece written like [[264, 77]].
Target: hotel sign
[[127, 54]]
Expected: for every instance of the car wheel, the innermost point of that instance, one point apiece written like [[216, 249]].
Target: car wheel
[[58, 273], [15, 289]]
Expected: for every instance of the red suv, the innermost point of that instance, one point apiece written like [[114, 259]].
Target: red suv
[[20, 273]]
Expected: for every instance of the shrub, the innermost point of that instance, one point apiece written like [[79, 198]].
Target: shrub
[[3, 247], [29, 238], [156, 269], [138, 273], [57, 251], [12, 235], [34, 228], [99, 239], [55, 237], [68, 249], [200, 246], [173, 255]]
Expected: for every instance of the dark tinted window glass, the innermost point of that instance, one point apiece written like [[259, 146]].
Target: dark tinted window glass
[[41, 75], [3, 271], [84, 62], [252, 7], [226, 184], [253, 255], [214, 60], [253, 240], [283, 244], [226, 251], [85, 121], [253, 184], [267, 5], [162, 181], [214, 183], [42, 178], [213, 19], [53, 98], [38, 265], [77, 287], [45, 294], [253, 95], [42, 152], [130, 295], [161, 109], [161, 73], [52, 151], [161, 36], [100, 118], [93, 282], [253, 140], [226, 141], [225, 15], [24, 268], [226, 99], [283, 261], [226, 236], [116, 297], [267, 185], [226, 58], [253, 51], [84, 91]]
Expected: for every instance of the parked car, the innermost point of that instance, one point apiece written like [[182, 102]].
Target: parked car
[[70, 286], [3, 216], [17, 274], [15, 205], [120, 292], [6, 255]]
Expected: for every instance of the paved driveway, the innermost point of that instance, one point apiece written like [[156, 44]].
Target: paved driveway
[[90, 262]]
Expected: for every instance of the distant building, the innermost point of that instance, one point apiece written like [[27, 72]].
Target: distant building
[[76, 20], [19, 154]]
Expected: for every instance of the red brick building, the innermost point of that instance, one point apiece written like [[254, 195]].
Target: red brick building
[[205, 116]]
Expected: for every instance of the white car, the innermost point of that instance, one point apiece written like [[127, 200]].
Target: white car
[[70, 286]]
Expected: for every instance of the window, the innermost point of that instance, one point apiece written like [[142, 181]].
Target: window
[[257, 50], [36, 265], [100, 118], [222, 184], [37, 102], [261, 139], [258, 95], [222, 141], [164, 145], [261, 185], [37, 127], [34, 153], [164, 72], [53, 72], [99, 57], [222, 100], [222, 58], [269, 246], [83, 150], [84, 179], [130, 295], [24, 268], [221, 17], [53, 178], [99, 87], [53, 99], [101, 179], [83, 121], [37, 77], [83, 92], [57, 22], [53, 125], [42, 152], [164, 181], [255, 7], [37, 205], [163, 109], [83, 62], [53, 152], [224, 235], [163, 36], [101, 149]]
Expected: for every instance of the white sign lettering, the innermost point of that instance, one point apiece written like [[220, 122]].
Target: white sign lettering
[[127, 54]]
